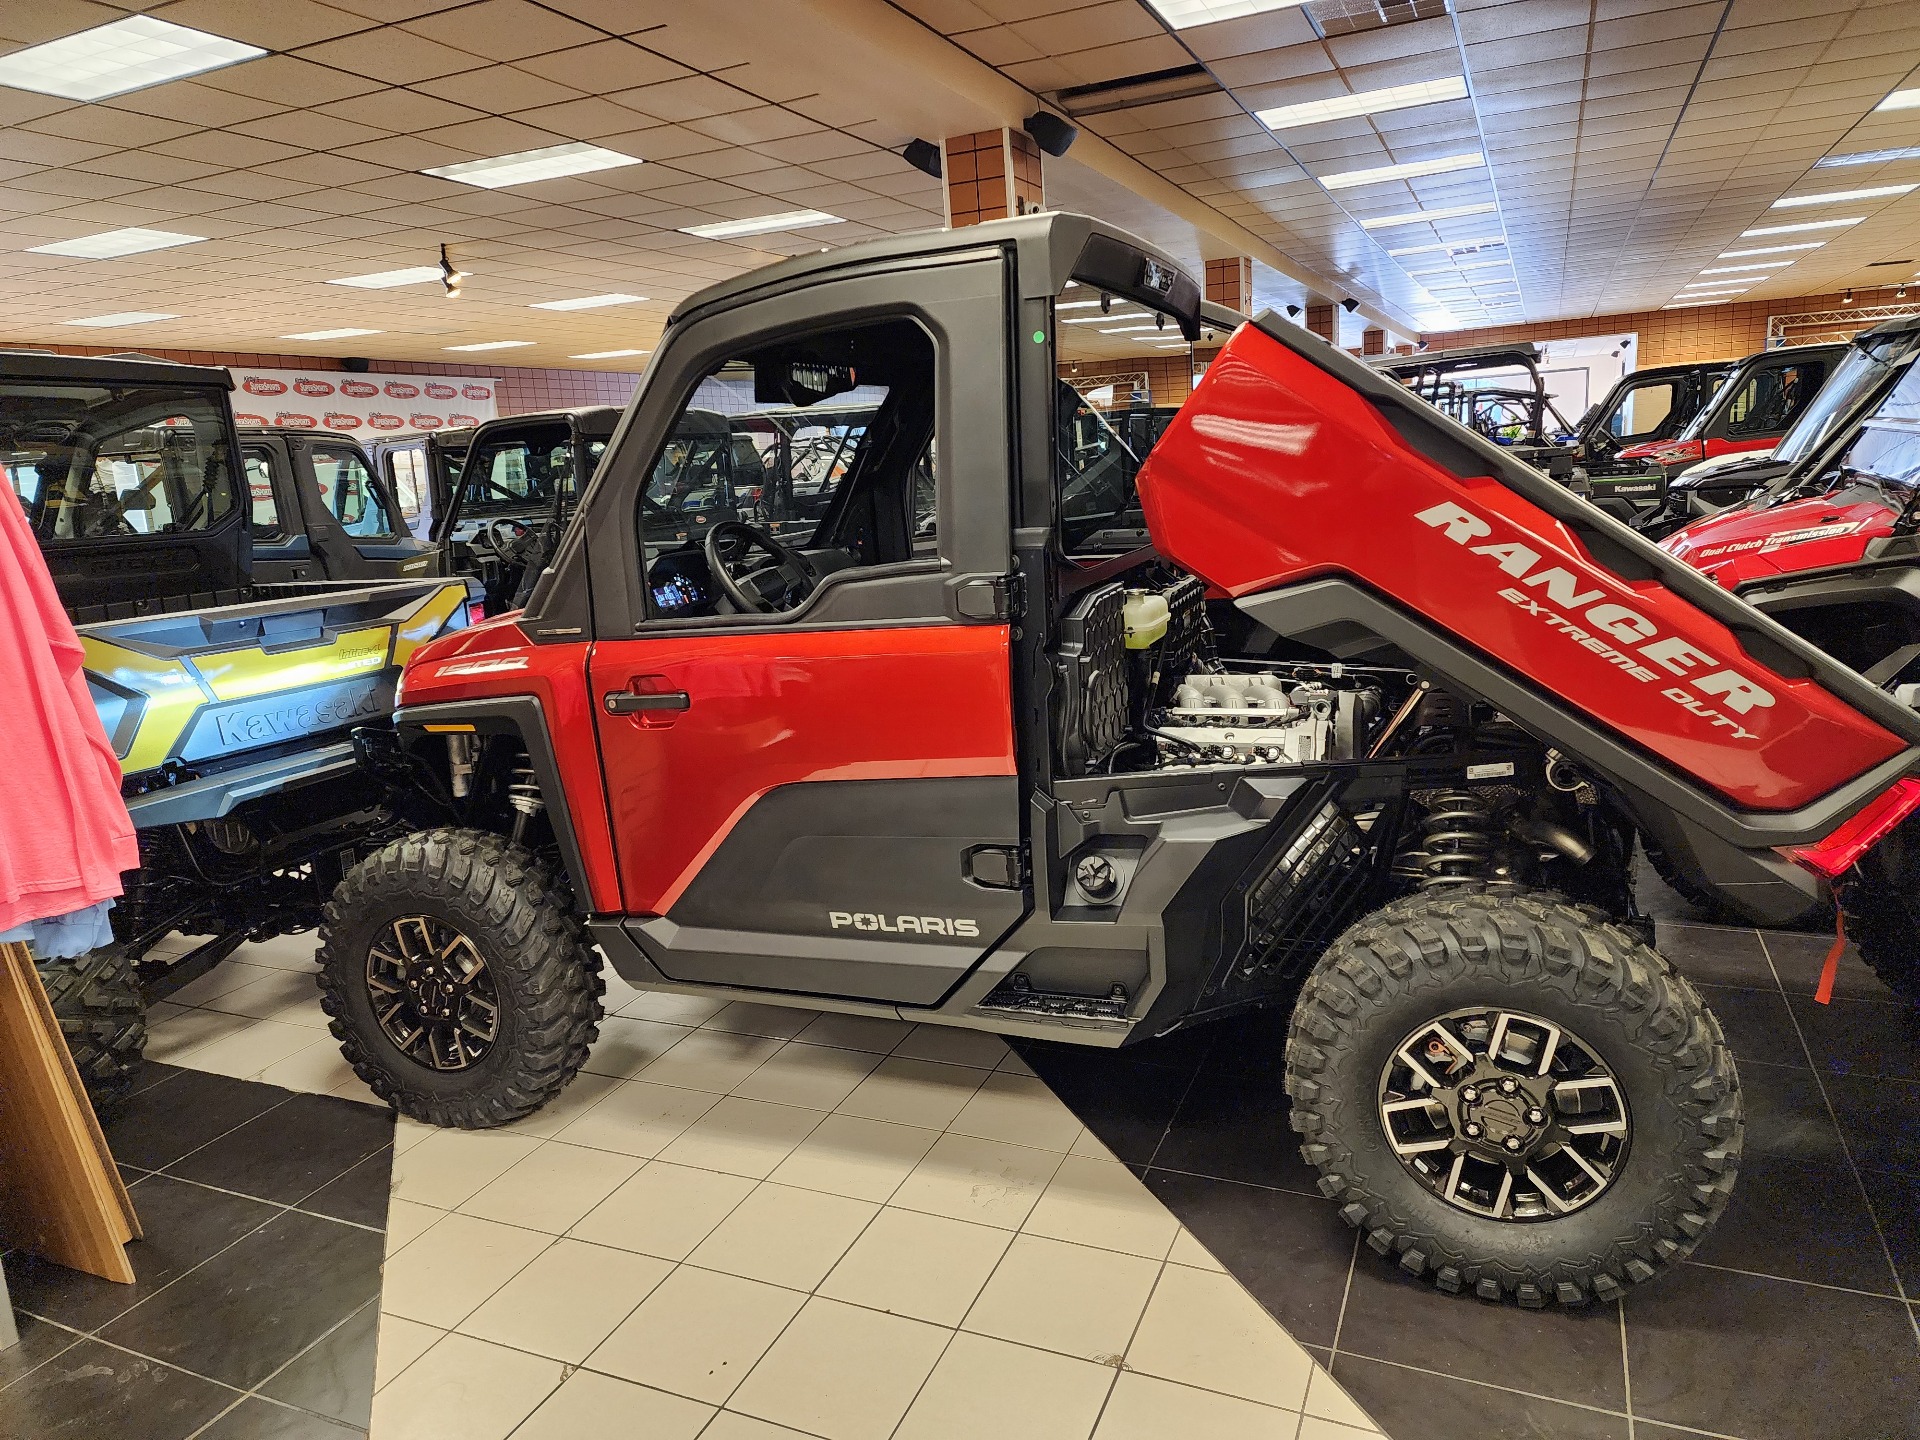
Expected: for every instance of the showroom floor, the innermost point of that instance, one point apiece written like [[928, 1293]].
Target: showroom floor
[[851, 1229]]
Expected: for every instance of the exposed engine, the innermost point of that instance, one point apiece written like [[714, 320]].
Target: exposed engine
[[1261, 717]]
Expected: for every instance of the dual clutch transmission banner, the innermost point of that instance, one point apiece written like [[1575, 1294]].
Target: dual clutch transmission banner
[[364, 406]]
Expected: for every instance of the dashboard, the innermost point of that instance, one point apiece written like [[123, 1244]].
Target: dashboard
[[679, 585]]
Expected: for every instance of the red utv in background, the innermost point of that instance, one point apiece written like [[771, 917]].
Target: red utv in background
[[1753, 408]]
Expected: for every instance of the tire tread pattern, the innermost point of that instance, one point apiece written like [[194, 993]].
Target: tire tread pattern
[[103, 1018]]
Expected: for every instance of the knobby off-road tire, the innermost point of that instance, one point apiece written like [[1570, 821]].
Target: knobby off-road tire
[[103, 1018], [1880, 900], [503, 908], [1433, 955]]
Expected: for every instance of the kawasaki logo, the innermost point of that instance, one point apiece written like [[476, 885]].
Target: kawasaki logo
[[1638, 648], [903, 924], [261, 725]]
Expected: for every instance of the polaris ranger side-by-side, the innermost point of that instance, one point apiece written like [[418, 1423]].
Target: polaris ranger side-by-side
[[321, 512], [1015, 771]]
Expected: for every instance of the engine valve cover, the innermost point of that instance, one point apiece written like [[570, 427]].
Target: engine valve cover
[[1245, 719]]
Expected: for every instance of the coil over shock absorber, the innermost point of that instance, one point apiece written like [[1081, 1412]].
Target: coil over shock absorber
[[523, 794], [1457, 840]]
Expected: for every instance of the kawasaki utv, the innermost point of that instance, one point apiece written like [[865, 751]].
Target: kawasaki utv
[[1335, 706]]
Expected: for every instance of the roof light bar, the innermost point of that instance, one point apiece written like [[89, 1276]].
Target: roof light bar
[[1869, 157]]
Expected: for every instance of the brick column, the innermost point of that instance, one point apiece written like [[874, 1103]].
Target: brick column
[[991, 174], [1373, 341], [1230, 283], [1320, 321]]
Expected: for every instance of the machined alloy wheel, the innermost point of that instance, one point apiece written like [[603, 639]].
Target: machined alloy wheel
[[432, 993], [1503, 1114]]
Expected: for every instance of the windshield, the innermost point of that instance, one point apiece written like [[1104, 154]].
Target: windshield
[[1888, 446], [94, 462], [1854, 381], [528, 471]]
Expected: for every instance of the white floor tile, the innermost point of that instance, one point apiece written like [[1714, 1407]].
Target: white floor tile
[[1143, 1408], [637, 1118], [846, 1155], [599, 1407], [986, 1389], [464, 1389], [855, 1032], [924, 1266], [1189, 1251], [1202, 1329], [913, 1092], [283, 952], [665, 1210], [452, 1166], [1020, 1111], [568, 1300], [1313, 1428], [784, 1236], [742, 1137], [552, 1188], [841, 1371], [728, 1425], [985, 1181], [627, 1046], [181, 1036], [744, 1017], [408, 1132], [358, 1091], [1071, 1298], [271, 997], [1102, 1202], [953, 1045], [712, 1060], [407, 1222], [229, 975], [444, 1275], [569, 1105], [698, 1334], [317, 1070], [1014, 1065], [814, 1076], [1326, 1400], [674, 1009], [401, 1342], [246, 1052]]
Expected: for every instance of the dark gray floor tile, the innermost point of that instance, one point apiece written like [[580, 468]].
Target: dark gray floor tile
[[1291, 1251], [1799, 959], [1233, 1125], [1895, 1200], [92, 1391], [1566, 1354], [1802, 1222], [335, 1377], [259, 1303], [292, 1150], [1716, 955], [1862, 1037], [1758, 1024], [1127, 1106], [152, 1073], [157, 1126], [360, 1194], [184, 1225], [1771, 1359], [256, 1419], [1881, 1120], [40, 1341], [1787, 1115], [1414, 1406]]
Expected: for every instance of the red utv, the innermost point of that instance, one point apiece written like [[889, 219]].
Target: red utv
[[969, 748], [1755, 405]]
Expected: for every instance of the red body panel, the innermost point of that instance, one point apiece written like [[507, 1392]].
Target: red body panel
[[1751, 542], [494, 659], [777, 708], [1688, 452], [1275, 472]]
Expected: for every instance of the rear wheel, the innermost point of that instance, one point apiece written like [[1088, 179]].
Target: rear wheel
[[459, 978], [103, 1018], [1513, 1097]]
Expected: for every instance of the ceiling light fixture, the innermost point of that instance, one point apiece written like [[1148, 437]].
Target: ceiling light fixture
[[1129, 329], [1846, 297], [1832, 197], [1184, 14], [1703, 294], [587, 302], [1482, 243], [552, 162], [1751, 265], [115, 58], [1408, 170], [1801, 228], [1689, 304], [762, 224], [606, 355], [1900, 100], [124, 317], [450, 278], [112, 244], [1770, 250], [328, 334], [493, 345], [390, 279], [1364, 102], [1421, 217], [1868, 157]]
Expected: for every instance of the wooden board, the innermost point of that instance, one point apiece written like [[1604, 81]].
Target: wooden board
[[61, 1196]]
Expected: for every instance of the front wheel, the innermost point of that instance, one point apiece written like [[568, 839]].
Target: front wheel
[[1513, 1097], [458, 977], [103, 1018]]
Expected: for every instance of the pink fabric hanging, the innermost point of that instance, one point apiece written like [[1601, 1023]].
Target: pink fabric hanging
[[65, 835]]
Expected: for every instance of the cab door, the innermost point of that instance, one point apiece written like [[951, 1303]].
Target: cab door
[[824, 799], [356, 519], [281, 549]]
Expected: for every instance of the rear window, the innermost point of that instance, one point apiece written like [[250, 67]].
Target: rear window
[[105, 462]]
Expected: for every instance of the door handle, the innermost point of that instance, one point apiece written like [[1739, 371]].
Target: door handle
[[625, 702]]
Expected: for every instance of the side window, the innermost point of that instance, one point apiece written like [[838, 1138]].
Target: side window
[[266, 509], [516, 472], [407, 469], [817, 441], [348, 492], [1773, 398], [1647, 413]]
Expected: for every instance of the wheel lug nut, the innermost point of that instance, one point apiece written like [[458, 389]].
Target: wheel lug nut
[[1472, 1129], [1508, 1085], [1470, 1094], [1536, 1116], [1512, 1142]]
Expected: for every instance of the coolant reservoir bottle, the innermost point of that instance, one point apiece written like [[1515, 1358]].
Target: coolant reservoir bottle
[[1145, 617]]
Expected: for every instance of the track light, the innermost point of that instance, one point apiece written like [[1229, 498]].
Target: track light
[[1050, 132], [1847, 297], [924, 156], [1349, 305], [450, 277]]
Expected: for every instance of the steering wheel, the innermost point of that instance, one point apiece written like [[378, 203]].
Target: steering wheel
[[505, 535], [767, 589]]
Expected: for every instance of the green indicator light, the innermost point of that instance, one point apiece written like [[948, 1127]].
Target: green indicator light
[[1039, 337]]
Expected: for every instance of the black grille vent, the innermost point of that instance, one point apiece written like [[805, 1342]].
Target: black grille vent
[[1349, 17], [1092, 697], [1308, 894]]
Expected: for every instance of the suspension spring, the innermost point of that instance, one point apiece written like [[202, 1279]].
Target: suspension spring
[[1456, 840], [523, 794]]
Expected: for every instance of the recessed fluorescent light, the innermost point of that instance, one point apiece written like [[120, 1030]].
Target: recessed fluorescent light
[[1106, 319], [1801, 228], [1485, 265], [1418, 217], [1130, 329], [1689, 304], [1750, 265], [329, 334], [124, 317], [587, 302], [1364, 102], [763, 224], [1692, 294], [1869, 157], [1831, 197], [606, 355], [1482, 243], [1770, 250], [493, 345], [388, 279], [111, 244], [112, 59], [550, 163], [1410, 170], [1183, 14], [1900, 100]]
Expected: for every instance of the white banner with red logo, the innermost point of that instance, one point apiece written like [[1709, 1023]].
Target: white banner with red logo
[[361, 405]]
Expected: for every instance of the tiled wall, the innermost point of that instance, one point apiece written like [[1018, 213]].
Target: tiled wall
[[1230, 283], [522, 388], [990, 175]]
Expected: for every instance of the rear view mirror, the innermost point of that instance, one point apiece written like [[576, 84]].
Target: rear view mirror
[[136, 500], [799, 382]]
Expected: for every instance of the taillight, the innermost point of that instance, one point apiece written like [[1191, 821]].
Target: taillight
[[476, 611], [1841, 850]]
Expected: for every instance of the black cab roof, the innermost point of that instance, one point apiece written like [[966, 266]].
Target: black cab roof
[[110, 369]]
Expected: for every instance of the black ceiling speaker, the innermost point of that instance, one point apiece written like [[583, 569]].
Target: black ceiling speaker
[[356, 364], [923, 155], [1349, 305], [1292, 310], [1050, 132]]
